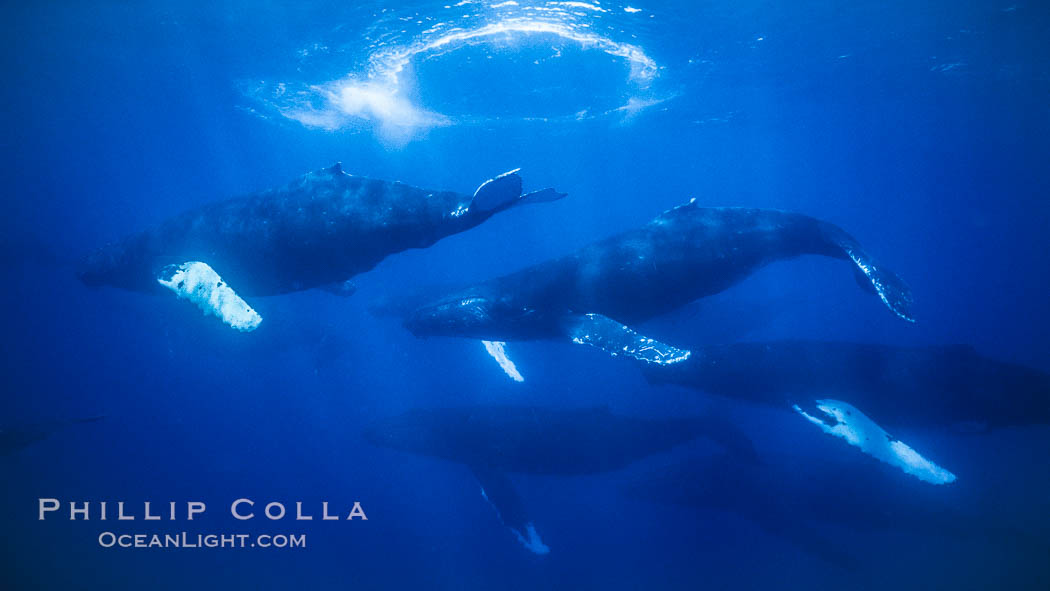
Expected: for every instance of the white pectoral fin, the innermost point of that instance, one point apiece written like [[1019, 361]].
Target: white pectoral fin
[[497, 349], [199, 283], [618, 339], [500, 493], [860, 431], [531, 540]]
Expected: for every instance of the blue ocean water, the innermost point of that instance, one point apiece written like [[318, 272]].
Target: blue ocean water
[[923, 129]]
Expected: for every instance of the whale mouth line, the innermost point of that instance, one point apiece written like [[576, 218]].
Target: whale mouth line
[[383, 93]]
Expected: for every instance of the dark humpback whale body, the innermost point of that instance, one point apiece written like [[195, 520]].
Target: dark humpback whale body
[[318, 230], [789, 496], [938, 386], [495, 440], [684, 254], [17, 437]]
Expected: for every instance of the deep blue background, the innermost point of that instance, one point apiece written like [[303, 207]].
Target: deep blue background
[[922, 129]]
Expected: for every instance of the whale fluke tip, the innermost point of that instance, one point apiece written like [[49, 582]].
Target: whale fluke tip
[[890, 288], [543, 196], [897, 296]]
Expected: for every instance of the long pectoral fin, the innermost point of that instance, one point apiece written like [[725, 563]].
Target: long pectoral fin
[[199, 283], [500, 493], [497, 349], [617, 339], [861, 432]]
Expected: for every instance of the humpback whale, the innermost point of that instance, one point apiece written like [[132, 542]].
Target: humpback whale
[[317, 231], [495, 440], [833, 385], [17, 437], [791, 496], [933, 386], [592, 295]]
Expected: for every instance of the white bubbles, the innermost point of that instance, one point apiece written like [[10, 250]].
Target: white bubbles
[[345, 102], [383, 92]]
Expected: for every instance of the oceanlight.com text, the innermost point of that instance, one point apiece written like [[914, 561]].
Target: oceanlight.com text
[[192, 541]]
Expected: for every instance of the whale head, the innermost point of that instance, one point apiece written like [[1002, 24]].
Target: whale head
[[461, 316], [476, 316]]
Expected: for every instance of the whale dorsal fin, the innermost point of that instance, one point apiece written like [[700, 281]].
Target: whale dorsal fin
[[618, 339], [336, 169]]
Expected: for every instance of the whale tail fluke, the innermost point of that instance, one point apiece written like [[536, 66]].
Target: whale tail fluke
[[505, 191], [890, 288], [542, 196], [497, 193]]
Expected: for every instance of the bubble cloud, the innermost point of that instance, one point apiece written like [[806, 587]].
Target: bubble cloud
[[381, 94]]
